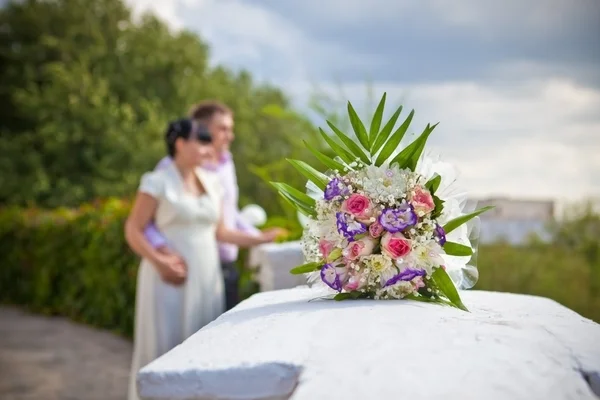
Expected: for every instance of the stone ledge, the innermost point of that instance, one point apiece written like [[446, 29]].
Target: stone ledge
[[509, 347]]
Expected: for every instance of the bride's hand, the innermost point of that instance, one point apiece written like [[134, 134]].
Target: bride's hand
[[171, 267]]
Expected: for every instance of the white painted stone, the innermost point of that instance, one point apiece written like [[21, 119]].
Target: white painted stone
[[509, 347], [274, 261]]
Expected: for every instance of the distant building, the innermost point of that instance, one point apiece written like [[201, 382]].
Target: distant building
[[515, 220]]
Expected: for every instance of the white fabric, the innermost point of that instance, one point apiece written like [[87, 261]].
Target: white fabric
[[166, 315], [509, 347]]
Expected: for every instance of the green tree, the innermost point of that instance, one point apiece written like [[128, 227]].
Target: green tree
[[87, 92]]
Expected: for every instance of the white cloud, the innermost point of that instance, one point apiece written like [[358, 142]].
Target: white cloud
[[524, 131]]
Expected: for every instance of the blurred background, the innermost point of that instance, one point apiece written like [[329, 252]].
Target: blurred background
[[87, 87]]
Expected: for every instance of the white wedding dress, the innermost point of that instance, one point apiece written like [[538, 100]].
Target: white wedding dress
[[166, 315]]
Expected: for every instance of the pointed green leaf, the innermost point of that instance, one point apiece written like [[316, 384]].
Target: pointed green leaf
[[337, 148], [310, 173], [424, 299], [299, 206], [410, 155], [349, 295], [358, 126], [446, 286], [349, 143], [295, 206], [295, 193], [376, 121], [383, 136], [439, 207], [457, 249], [433, 184], [334, 255], [327, 161], [394, 141], [414, 159], [456, 222], [301, 201], [306, 268]]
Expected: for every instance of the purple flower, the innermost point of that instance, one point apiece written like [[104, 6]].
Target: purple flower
[[331, 278], [349, 227], [407, 275], [440, 234], [398, 219], [335, 188]]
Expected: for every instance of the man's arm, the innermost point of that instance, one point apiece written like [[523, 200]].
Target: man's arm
[[153, 235]]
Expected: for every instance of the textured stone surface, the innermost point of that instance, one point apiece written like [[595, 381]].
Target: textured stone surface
[[509, 347], [55, 359]]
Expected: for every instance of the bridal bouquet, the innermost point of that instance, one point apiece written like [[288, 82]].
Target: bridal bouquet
[[378, 223]]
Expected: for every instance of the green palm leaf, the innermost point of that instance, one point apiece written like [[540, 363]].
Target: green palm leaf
[[446, 286], [338, 148], [434, 183], [302, 201], [383, 136], [306, 268], [325, 160], [376, 121], [394, 140], [358, 126], [457, 249], [349, 143], [310, 173], [409, 157], [295, 206], [456, 222]]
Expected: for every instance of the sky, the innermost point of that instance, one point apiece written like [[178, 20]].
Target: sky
[[515, 84]]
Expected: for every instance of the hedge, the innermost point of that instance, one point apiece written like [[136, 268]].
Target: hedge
[[71, 263]]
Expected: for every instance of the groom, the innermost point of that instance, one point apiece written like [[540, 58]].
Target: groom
[[219, 120]]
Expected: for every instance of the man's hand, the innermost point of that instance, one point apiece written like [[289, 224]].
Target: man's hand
[[171, 267], [273, 233]]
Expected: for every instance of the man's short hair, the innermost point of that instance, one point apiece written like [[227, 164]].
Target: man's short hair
[[205, 110]]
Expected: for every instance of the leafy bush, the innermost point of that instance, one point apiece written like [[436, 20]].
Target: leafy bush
[[71, 263]]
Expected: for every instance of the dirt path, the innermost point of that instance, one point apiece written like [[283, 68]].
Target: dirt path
[[45, 358]]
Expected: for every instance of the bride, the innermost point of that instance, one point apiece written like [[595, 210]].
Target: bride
[[178, 295]]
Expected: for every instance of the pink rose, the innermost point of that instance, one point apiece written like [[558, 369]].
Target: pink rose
[[359, 206], [359, 248], [375, 229], [395, 245], [325, 247], [422, 200]]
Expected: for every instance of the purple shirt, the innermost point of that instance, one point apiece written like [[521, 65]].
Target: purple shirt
[[231, 213]]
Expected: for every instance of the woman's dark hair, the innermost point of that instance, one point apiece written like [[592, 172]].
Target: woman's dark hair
[[184, 128]]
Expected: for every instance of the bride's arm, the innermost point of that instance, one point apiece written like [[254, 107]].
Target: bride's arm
[[241, 238], [141, 214]]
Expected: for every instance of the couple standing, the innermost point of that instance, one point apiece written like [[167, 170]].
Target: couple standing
[[186, 226]]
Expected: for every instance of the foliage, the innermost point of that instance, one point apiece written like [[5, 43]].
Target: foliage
[[72, 263], [87, 92]]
